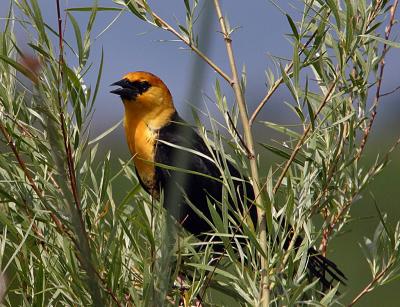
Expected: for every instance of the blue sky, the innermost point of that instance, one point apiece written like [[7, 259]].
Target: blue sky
[[130, 44]]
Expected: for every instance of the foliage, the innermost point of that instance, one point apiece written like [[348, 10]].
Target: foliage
[[67, 239]]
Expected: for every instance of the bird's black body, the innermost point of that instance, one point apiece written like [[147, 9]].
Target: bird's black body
[[179, 185]]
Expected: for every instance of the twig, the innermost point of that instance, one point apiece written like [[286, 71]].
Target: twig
[[277, 83], [344, 209], [21, 162], [367, 130], [83, 242], [390, 92], [67, 144], [248, 152], [32, 183], [186, 41], [262, 224], [370, 286], [304, 136]]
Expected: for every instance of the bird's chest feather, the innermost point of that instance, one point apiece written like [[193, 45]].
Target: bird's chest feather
[[141, 141]]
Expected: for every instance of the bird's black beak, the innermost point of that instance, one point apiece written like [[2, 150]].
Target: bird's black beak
[[126, 91], [130, 90]]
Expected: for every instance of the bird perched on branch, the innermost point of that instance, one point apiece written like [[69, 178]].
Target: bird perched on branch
[[163, 145]]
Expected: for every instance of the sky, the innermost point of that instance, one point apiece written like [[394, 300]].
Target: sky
[[130, 44]]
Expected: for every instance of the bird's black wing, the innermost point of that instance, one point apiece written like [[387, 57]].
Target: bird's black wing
[[195, 187]]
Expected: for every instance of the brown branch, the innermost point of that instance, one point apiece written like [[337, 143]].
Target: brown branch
[[165, 25], [304, 136], [367, 130], [249, 144], [390, 92], [368, 288], [21, 162], [82, 244], [32, 183], [335, 219], [67, 144]]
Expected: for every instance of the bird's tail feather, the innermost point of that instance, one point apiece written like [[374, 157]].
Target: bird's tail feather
[[324, 269]]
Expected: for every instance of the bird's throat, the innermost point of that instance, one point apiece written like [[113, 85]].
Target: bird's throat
[[141, 129]]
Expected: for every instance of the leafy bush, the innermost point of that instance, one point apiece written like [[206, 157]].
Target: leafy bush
[[67, 239]]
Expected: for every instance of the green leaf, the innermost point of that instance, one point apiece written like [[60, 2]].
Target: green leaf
[[99, 74], [288, 83], [281, 153], [90, 8], [105, 133], [382, 40], [293, 26], [282, 129], [334, 8], [78, 37], [349, 25], [327, 299], [311, 114], [390, 234], [211, 268], [138, 13]]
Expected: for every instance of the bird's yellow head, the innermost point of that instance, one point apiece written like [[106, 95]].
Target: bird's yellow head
[[145, 97]]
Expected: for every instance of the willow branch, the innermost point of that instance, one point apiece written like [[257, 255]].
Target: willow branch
[[189, 43], [374, 111], [340, 215], [83, 239], [27, 174], [304, 136], [248, 136], [371, 285], [277, 83], [67, 143]]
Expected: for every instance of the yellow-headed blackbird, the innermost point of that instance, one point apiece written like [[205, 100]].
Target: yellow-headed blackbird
[[156, 136]]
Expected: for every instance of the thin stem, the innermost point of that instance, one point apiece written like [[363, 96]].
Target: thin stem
[[21, 162], [67, 144], [83, 242], [368, 288], [32, 183], [390, 92], [304, 136], [248, 153], [262, 225], [339, 216], [367, 130], [277, 83], [169, 28]]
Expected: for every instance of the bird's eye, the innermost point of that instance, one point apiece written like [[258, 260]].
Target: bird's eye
[[141, 86]]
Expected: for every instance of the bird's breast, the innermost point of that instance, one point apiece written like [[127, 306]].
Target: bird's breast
[[141, 141]]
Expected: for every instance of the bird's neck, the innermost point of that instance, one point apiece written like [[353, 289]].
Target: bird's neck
[[141, 129], [154, 118]]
